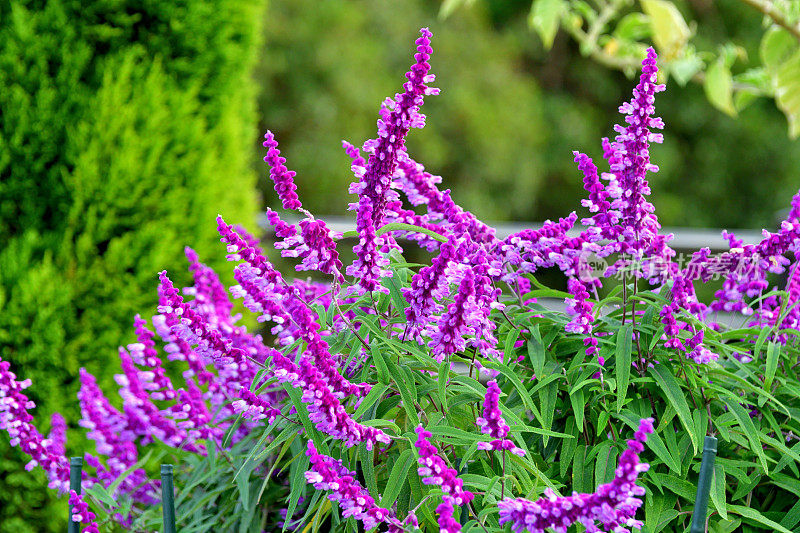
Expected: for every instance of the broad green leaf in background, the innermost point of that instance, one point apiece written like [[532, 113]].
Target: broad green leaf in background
[[719, 87], [776, 47], [633, 27], [670, 32], [545, 18], [787, 92]]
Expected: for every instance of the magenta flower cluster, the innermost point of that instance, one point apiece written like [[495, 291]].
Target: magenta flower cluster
[[493, 424], [326, 473], [613, 505], [434, 471]]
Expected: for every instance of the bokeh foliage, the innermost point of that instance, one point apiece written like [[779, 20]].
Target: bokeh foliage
[[125, 128], [511, 111]]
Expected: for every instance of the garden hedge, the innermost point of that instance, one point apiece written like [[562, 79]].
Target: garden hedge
[[125, 128]]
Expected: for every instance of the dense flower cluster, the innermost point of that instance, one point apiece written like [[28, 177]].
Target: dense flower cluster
[[434, 471], [18, 422], [327, 473], [614, 504], [81, 513], [280, 175], [493, 424]]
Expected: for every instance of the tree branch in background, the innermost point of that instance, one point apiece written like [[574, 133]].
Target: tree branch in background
[[768, 8]]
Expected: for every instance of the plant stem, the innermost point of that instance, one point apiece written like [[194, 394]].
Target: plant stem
[[503, 479]]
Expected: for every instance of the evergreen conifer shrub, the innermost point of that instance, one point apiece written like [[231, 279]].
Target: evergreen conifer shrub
[[124, 130]]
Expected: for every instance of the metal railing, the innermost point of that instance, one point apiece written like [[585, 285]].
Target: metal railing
[[684, 238]]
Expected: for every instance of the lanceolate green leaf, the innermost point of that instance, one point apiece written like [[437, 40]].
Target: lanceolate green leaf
[[676, 397], [397, 478], [755, 516], [749, 429], [623, 363]]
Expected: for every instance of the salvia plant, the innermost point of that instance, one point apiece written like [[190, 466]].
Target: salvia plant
[[399, 396]]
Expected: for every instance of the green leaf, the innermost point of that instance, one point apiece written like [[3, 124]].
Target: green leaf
[[685, 68], [773, 352], [375, 394], [380, 363], [718, 491], [397, 478], [408, 398], [444, 374], [670, 32], [578, 401], [633, 27], [545, 17], [792, 516], [787, 92], [605, 464], [579, 481], [719, 87], [99, 493], [754, 515], [623, 363], [746, 423], [777, 45], [368, 467], [677, 399]]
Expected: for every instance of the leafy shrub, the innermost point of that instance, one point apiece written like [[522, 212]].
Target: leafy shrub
[[124, 131], [455, 367]]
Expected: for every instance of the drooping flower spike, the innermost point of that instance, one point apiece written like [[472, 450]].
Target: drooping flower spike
[[613, 505], [493, 424]]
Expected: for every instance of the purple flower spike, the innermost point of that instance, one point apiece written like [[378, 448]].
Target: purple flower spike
[[434, 470], [493, 424], [354, 500], [283, 177], [463, 315], [58, 434], [18, 422], [81, 513], [621, 211], [255, 407], [375, 192], [314, 245], [614, 504]]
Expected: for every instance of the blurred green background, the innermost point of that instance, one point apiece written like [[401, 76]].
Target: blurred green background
[[126, 126]]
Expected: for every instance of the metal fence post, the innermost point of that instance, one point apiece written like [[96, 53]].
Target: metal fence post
[[168, 498], [75, 470], [704, 485]]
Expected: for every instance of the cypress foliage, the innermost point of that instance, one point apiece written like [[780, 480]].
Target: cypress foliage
[[125, 127]]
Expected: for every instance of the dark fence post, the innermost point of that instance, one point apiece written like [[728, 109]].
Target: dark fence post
[[168, 498], [75, 468], [704, 485]]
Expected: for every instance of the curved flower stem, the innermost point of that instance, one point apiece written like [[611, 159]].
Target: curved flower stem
[[399, 226], [503, 479]]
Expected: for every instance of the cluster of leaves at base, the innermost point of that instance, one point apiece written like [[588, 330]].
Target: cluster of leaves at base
[[572, 425]]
